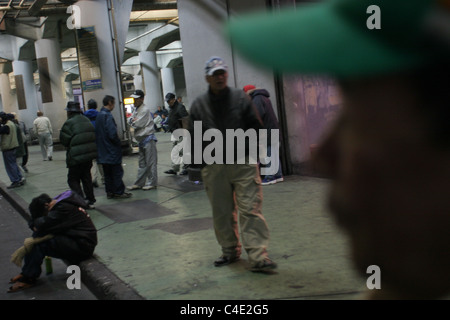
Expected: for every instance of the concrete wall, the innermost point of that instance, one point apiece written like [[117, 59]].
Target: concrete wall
[[202, 36], [311, 104]]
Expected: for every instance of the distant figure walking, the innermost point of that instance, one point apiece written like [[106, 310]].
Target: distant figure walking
[[43, 129]]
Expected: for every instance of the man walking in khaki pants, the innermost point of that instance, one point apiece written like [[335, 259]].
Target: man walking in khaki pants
[[234, 188]]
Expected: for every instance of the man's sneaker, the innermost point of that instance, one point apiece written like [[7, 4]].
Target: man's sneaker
[[149, 187], [279, 179], [224, 260], [134, 187], [184, 172], [124, 195], [264, 266], [91, 205], [50, 158], [15, 185], [266, 181], [171, 171]]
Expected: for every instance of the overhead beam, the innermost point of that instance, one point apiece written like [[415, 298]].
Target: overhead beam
[[143, 5], [36, 7]]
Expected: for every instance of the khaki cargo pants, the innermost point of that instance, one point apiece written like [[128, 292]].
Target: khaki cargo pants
[[233, 189]]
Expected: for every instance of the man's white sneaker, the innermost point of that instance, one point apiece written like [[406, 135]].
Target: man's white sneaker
[[133, 187], [267, 181], [148, 187]]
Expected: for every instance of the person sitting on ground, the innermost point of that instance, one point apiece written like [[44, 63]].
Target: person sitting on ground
[[157, 120], [162, 111], [62, 229], [165, 123]]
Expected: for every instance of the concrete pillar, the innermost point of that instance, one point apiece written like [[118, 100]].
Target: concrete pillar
[[96, 13], [27, 111], [69, 90], [8, 102], [51, 79], [168, 81], [137, 81], [150, 75]]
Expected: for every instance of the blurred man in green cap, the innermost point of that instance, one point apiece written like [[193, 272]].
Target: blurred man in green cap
[[388, 154]]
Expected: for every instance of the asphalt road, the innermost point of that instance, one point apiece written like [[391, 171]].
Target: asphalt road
[[13, 230]]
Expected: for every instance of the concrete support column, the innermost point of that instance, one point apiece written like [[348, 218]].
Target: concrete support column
[[150, 74], [69, 90], [96, 13], [204, 20], [168, 81], [8, 102], [137, 81], [27, 102], [51, 77]]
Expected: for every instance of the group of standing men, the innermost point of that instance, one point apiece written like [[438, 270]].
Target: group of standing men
[[91, 137], [231, 189]]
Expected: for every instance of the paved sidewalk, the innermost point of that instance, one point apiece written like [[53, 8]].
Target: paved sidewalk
[[160, 244]]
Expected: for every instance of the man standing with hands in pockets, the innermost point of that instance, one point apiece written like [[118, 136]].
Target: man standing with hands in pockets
[[144, 132]]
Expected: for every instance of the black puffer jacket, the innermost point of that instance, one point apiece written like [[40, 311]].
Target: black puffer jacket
[[74, 233], [78, 136]]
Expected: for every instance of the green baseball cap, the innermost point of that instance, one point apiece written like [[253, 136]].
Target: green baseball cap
[[346, 38]]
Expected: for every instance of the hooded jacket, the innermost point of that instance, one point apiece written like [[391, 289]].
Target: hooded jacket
[[91, 114], [74, 233], [260, 98]]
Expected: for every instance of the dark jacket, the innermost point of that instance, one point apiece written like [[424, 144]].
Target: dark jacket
[[91, 114], [109, 147], [231, 109], [74, 233], [260, 98], [78, 136], [176, 113]]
